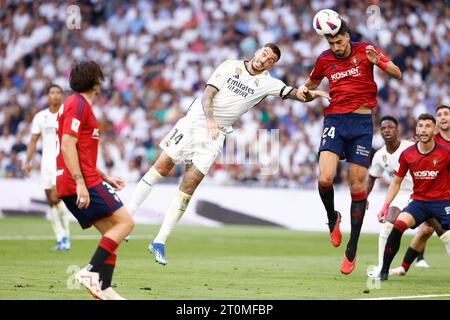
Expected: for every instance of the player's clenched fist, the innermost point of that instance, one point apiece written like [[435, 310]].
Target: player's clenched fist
[[302, 92], [383, 213]]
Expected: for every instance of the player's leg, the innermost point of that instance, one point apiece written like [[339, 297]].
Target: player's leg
[[403, 222], [357, 176], [393, 213], [58, 228], [328, 162], [160, 169], [419, 241], [97, 276], [63, 216], [189, 184], [443, 233]]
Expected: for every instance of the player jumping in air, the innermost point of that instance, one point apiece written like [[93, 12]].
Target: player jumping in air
[[87, 192], [386, 160], [429, 166], [234, 88], [44, 125], [348, 128], [417, 245]]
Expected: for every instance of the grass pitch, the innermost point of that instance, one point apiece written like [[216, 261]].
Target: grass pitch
[[209, 263]]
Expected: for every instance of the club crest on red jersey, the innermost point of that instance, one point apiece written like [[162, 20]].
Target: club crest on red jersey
[[435, 163], [355, 61]]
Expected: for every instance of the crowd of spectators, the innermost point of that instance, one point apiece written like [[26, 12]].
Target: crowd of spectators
[[157, 56]]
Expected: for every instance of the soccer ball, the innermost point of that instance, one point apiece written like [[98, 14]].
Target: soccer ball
[[326, 22]]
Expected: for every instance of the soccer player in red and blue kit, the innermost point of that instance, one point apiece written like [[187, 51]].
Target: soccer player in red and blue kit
[[348, 127], [429, 165], [88, 193], [417, 245]]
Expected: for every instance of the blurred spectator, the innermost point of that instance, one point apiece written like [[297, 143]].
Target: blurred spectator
[[157, 56]]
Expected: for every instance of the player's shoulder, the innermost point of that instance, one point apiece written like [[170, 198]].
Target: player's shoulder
[[379, 153], [442, 148], [412, 149], [41, 113], [231, 63], [75, 102], [406, 143], [327, 54]]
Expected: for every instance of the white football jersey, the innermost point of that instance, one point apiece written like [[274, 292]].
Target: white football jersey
[[44, 123], [239, 91], [385, 161]]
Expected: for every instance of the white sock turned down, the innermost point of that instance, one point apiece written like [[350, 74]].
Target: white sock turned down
[[143, 189], [382, 239], [173, 215]]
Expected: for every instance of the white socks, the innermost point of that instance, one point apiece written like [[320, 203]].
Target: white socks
[[446, 240], [175, 212], [382, 239], [64, 217], [59, 218], [143, 189], [56, 223]]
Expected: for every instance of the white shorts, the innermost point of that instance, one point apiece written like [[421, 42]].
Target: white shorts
[[48, 178], [189, 142], [401, 200]]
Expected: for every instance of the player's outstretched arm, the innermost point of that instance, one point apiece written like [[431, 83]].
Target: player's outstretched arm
[[208, 109], [70, 156], [307, 96], [302, 92], [389, 67], [394, 187], [30, 152]]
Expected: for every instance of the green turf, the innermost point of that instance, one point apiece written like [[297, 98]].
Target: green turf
[[210, 263]]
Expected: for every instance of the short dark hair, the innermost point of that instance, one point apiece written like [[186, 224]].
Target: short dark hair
[[426, 116], [389, 118], [442, 106], [54, 85], [343, 29], [85, 75], [274, 48]]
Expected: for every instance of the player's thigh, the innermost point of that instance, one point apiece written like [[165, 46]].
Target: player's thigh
[[164, 164], [356, 177], [359, 144], [392, 215], [328, 163], [120, 217], [433, 223]]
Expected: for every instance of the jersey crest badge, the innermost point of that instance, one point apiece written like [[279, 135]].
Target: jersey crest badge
[[384, 158], [238, 73], [435, 163], [355, 61], [257, 82]]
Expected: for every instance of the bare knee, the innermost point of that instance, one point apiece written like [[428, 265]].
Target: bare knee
[[164, 164], [325, 180], [425, 232]]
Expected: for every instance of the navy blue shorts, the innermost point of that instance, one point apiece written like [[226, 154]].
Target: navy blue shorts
[[349, 136], [422, 210], [104, 202]]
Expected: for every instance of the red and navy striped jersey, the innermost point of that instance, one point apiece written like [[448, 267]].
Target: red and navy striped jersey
[[430, 172], [75, 117], [350, 79]]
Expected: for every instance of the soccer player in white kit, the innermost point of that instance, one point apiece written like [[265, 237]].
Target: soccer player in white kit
[[44, 125], [386, 160], [235, 87]]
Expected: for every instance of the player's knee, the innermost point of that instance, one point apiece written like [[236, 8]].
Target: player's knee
[[425, 232], [325, 181], [128, 225]]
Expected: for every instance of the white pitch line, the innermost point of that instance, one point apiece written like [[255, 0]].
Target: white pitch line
[[78, 237], [409, 297]]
